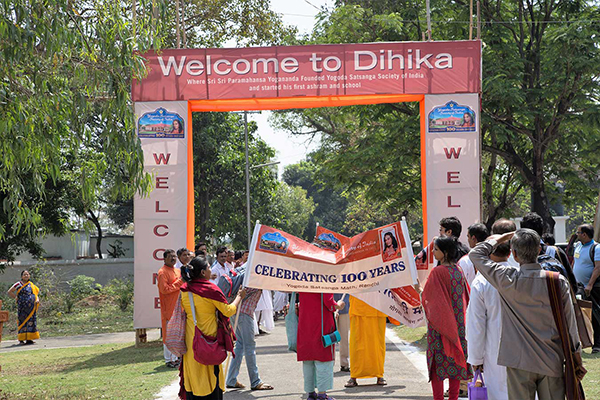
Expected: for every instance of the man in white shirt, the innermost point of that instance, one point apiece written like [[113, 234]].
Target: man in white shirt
[[484, 324], [229, 261], [475, 233], [184, 256], [219, 268]]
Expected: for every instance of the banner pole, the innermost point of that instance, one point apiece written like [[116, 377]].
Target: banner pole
[[246, 274], [409, 252]]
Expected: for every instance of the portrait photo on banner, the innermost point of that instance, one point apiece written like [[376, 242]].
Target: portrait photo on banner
[[389, 243]]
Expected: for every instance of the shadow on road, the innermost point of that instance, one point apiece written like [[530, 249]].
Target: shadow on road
[[361, 392]]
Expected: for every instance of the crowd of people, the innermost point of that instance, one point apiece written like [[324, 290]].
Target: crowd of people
[[489, 307], [507, 304]]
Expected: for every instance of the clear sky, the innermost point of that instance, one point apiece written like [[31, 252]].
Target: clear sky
[[290, 149]]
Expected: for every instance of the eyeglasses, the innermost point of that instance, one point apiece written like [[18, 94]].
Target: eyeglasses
[[578, 232]]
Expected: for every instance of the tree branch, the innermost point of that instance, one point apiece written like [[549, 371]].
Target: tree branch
[[512, 158]]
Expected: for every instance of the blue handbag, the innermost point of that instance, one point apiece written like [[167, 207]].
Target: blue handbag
[[291, 325], [330, 338]]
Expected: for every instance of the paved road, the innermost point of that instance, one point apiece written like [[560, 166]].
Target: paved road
[[279, 368], [405, 370], [7, 346]]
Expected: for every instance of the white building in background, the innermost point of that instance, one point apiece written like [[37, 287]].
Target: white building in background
[[78, 245], [560, 228]]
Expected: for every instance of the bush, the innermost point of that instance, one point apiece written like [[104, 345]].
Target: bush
[[80, 287], [8, 303], [121, 291]]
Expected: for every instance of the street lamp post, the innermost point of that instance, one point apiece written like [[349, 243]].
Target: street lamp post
[[247, 179], [248, 168]]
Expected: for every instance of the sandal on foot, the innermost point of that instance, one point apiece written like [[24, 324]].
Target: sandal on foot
[[381, 382], [351, 383], [262, 386], [236, 386]]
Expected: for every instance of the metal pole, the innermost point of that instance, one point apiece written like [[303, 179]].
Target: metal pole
[[247, 178], [471, 20], [428, 20], [177, 24], [478, 21]]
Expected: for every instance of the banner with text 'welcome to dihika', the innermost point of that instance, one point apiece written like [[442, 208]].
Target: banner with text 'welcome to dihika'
[[374, 260]]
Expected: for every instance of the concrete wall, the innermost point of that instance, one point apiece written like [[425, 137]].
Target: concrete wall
[[127, 244], [76, 245], [66, 247], [101, 270]]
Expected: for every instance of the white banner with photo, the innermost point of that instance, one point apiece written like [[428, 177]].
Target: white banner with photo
[[374, 260]]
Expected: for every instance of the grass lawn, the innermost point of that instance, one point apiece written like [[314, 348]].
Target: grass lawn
[[591, 382], [109, 371], [87, 317]]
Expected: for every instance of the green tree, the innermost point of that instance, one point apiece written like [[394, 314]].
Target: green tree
[[295, 209], [219, 178], [66, 118], [540, 101], [212, 23], [539, 104], [330, 203], [61, 64]]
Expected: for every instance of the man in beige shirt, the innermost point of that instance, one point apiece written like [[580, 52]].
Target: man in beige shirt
[[530, 345]]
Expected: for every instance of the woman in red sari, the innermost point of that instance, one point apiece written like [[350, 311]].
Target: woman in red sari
[[445, 300], [317, 360]]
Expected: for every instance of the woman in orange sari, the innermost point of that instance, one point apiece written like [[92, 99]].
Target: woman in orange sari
[[28, 302]]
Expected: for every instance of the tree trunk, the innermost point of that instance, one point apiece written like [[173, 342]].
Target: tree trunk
[[539, 199], [92, 217]]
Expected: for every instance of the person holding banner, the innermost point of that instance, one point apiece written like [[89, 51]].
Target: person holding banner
[[199, 381], [317, 360], [367, 342], [445, 300]]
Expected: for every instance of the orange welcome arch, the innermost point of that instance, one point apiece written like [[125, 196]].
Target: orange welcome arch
[[444, 77]]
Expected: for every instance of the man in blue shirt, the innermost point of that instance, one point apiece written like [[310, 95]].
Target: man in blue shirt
[[587, 272]]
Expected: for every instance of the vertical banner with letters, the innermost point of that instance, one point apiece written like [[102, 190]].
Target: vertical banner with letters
[[453, 166], [161, 219]]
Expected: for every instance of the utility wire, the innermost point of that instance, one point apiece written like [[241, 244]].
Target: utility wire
[[581, 21]]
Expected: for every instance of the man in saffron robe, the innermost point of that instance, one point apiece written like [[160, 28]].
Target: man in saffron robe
[[169, 282], [367, 342]]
